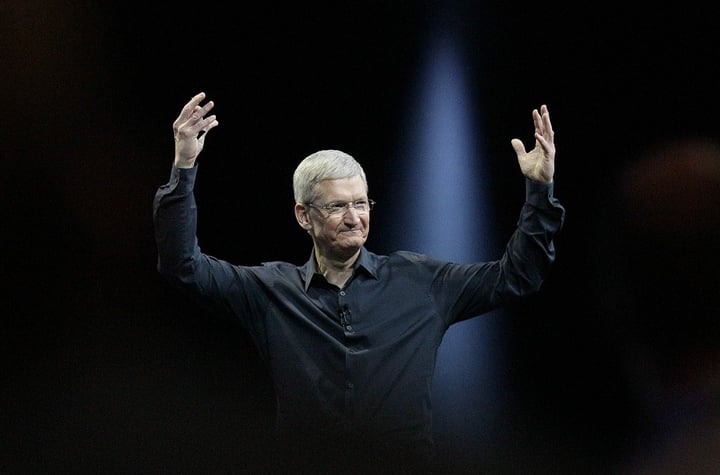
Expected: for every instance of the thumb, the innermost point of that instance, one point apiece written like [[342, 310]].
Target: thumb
[[518, 146]]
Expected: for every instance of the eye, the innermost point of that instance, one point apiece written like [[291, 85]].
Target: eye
[[336, 207], [361, 205]]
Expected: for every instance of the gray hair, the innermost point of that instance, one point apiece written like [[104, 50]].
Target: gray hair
[[323, 165]]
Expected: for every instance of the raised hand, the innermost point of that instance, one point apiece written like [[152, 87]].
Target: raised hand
[[539, 163], [190, 129]]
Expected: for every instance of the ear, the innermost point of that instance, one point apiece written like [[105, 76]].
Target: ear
[[301, 214]]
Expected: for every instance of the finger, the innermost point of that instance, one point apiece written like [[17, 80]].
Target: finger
[[196, 99], [537, 121], [207, 125], [202, 111], [187, 110], [547, 145], [193, 105], [203, 126], [197, 118], [212, 123], [195, 115], [547, 125], [542, 141]]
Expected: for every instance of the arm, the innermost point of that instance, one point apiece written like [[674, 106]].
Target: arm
[[531, 251], [542, 215], [219, 286], [174, 212], [468, 290]]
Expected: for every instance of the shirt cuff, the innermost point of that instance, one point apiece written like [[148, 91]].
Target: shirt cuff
[[539, 195], [183, 179]]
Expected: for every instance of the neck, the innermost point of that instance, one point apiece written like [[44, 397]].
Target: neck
[[336, 272]]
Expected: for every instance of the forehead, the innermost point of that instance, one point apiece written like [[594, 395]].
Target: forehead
[[342, 189]]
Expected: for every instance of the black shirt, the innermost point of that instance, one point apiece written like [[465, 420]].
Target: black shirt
[[354, 364]]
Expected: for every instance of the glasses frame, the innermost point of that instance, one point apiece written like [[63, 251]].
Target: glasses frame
[[325, 209]]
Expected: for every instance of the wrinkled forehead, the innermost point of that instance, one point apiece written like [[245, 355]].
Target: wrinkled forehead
[[341, 189]]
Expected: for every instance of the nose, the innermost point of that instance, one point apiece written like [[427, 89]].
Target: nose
[[351, 215]]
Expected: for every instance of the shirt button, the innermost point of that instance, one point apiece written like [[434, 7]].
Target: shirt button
[[348, 328], [349, 385], [342, 292]]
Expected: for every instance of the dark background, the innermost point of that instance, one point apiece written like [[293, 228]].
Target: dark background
[[108, 370]]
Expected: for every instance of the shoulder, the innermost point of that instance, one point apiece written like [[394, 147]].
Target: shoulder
[[281, 267], [407, 256], [399, 258]]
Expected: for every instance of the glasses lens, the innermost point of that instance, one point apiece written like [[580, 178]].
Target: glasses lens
[[338, 209]]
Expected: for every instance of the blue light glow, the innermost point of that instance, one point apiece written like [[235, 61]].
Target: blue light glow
[[451, 218]]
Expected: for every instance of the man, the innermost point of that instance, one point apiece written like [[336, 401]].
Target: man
[[350, 337]]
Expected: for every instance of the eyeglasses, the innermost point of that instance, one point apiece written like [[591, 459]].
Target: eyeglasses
[[340, 208]]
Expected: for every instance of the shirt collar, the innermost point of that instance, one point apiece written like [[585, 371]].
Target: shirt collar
[[367, 261]]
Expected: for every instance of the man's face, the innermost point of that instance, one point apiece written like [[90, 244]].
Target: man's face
[[339, 235]]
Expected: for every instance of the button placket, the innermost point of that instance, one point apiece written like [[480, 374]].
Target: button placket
[[344, 313]]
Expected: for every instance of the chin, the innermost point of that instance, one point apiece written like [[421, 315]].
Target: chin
[[355, 242]]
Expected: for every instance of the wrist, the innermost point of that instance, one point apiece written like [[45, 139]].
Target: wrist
[[184, 163]]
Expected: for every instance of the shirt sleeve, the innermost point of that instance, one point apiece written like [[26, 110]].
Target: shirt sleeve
[[550, 213], [220, 287], [467, 290], [175, 222], [531, 250]]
